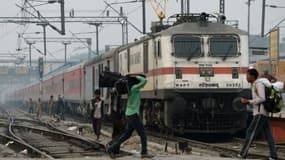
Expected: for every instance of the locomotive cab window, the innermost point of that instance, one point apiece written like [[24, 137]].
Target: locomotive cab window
[[187, 46], [223, 46]]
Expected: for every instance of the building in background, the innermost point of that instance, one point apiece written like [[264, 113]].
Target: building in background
[[259, 56]]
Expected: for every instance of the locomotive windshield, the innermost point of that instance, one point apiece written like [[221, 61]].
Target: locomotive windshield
[[187, 46], [223, 46]]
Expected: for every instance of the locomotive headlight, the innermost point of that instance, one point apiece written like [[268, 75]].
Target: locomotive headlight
[[206, 72], [209, 72], [235, 74], [178, 73]]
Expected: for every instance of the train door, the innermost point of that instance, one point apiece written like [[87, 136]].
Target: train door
[[100, 70], [62, 81], [83, 83], [116, 66], [157, 56], [145, 57], [93, 79]]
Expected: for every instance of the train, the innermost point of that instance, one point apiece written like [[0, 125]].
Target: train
[[195, 69]]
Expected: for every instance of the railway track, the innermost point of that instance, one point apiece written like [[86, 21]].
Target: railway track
[[42, 140], [231, 148], [225, 149], [55, 144], [21, 147]]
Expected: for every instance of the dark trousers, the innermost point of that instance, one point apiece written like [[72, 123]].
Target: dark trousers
[[133, 123], [259, 122], [118, 124], [97, 125], [31, 110]]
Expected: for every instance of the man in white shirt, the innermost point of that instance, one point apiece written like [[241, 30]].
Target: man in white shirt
[[97, 113], [260, 116]]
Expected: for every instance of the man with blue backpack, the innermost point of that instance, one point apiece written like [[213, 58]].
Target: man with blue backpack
[[260, 119]]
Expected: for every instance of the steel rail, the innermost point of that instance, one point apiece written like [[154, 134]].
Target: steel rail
[[17, 143], [30, 146], [222, 149]]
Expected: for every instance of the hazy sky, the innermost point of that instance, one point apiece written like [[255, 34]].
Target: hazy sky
[[111, 34]]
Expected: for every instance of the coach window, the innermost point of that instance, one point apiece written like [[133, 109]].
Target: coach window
[[186, 46], [223, 46]]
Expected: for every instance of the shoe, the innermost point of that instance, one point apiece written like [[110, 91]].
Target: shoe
[[240, 156], [107, 147], [272, 158], [146, 155], [111, 154]]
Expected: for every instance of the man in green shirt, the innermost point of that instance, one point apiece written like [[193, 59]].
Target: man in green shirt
[[136, 82]]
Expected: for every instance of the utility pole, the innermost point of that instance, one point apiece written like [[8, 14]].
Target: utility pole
[[97, 37], [248, 17], [143, 16], [222, 7], [125, 31], [97, 25], [263, 18], [45, 41], [124, 27], [89, 43], [30, 53], [62, 17], [188, 6], [248, 24], [182, 7], [44, 25], [65, 50]]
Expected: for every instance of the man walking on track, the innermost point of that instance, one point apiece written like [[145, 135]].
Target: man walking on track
[[50, 106], [60, 108], [97, 113], [39, 108], [31, 106], [260, 116], [136, 82]]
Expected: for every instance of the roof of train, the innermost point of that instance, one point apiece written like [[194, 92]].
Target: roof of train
[[201, 28], [50, 74], [101, 56], [74, 67], [59, 70]]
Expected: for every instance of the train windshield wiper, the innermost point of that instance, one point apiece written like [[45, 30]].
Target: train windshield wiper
[[192, 53], [228, 52]]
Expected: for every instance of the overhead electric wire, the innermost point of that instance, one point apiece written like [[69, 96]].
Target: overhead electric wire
[[8, 32], [74, 35]]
